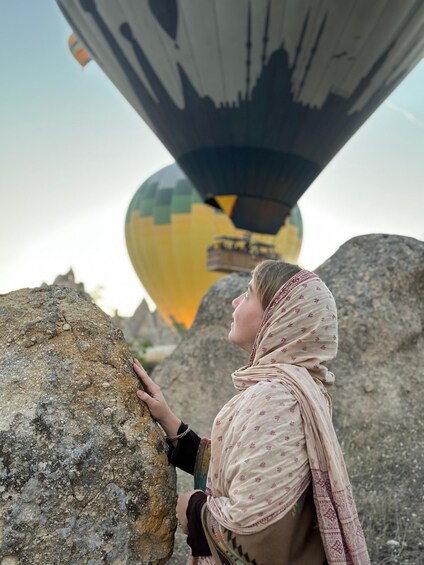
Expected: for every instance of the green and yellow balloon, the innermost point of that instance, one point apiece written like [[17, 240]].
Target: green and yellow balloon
[[168, 231]]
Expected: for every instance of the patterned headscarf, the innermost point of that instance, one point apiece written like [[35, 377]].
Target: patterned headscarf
[[273, 438]]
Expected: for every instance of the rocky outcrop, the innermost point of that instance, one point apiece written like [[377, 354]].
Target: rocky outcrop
[[146, 327], [143, 329], [378, 283], [68, 280], [84, 476]]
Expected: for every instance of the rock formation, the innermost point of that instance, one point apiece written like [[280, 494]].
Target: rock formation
[[68, 280], [145, 326], [84, 476], [378, 283]]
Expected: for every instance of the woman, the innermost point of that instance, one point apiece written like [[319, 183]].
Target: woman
[[277, 490]]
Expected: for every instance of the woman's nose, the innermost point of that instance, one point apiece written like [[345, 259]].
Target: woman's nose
[[235, 302]]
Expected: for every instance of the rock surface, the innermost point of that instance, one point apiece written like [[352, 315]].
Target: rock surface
[[84, 476], [145, 326], [378, 283], [68, 280]]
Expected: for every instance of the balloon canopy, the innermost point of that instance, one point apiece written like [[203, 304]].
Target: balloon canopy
[[78, 51], [168, 231], [252, 98]]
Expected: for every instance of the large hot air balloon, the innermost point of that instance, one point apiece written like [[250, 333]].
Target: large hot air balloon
[[168, 231], [252, 98]]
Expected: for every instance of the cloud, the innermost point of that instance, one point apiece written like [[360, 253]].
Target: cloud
[[405, 113]]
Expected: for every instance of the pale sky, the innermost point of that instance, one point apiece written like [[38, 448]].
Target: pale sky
[[74, 152]]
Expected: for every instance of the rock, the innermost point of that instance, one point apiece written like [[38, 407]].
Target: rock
[[84, 476], [68, 280], [378, 283], [392, 543], [145, 326]]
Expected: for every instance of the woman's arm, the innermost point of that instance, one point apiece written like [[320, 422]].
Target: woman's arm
[[189, 514], [153, 397], [182, 451], [196, 538], [191, 505]]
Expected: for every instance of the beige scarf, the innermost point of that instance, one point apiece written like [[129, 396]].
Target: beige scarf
[[273, 438]]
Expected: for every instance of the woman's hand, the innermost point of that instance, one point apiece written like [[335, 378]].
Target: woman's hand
[[153, 397], [181, 511]]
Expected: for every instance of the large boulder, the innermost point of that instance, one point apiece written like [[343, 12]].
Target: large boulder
[[84, 476], [378, 283]]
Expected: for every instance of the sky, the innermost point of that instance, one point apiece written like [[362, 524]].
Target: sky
[[73, 152]]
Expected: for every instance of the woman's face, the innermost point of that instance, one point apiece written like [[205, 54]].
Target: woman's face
[[247, 318]]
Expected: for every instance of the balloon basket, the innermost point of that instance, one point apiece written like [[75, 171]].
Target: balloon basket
[[235, 255]]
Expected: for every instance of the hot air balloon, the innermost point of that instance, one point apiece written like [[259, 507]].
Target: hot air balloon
[[168, 231], [78, 51], [252, 98]]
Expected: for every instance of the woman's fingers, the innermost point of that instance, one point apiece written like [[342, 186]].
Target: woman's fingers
[[138, 367], [144, 377], [140, 370], [145, 397], [157, 406]]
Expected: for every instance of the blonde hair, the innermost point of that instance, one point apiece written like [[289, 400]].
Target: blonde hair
[[269, 276]]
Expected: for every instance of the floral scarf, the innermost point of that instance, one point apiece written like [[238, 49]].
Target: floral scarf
[[270, 441]]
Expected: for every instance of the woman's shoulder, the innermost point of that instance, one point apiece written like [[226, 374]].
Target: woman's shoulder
[[267, 404], [272, 391]]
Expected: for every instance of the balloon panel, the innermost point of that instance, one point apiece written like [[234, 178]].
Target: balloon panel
[[168, 232], [252, 99], [78, 51]]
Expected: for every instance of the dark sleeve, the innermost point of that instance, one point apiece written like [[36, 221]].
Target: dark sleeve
[[183, 455], [196, 538]]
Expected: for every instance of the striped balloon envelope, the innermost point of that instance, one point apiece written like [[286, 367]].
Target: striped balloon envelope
[[78, 50], [168, 231]]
